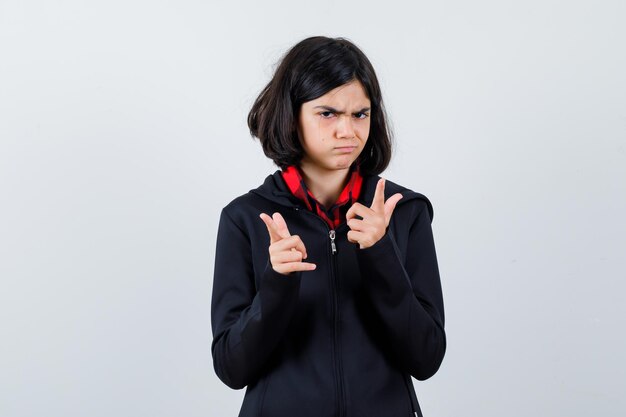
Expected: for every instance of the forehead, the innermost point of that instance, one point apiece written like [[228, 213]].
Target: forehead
[[349, 93]]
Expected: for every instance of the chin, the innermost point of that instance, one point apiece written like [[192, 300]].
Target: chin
[[344, 164]]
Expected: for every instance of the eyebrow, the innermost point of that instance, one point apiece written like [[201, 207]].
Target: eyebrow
[[334, 110]]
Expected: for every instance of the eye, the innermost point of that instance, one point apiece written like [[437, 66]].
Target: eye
[[361, 115], [327, 114]]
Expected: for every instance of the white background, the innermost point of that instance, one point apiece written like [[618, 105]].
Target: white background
[[123, 134]]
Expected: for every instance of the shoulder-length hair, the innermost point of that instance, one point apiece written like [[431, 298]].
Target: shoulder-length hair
[[307, 71]]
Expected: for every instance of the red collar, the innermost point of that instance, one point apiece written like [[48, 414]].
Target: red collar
[[336, 214]]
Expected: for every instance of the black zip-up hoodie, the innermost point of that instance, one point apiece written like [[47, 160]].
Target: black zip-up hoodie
[[342, 340]]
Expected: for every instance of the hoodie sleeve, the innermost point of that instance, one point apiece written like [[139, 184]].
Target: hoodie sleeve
[[407, 298], [247, 322]]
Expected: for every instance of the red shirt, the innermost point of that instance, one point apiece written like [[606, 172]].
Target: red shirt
[[336, 214]]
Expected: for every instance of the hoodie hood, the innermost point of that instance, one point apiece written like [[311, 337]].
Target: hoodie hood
[[275, 190]]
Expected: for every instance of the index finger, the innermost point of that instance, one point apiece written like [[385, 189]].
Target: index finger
[[281, 225], [378, 202], [272, 229]]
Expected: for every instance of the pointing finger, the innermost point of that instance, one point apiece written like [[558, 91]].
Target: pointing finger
[[282, 228], [378, 202], [272, 229]]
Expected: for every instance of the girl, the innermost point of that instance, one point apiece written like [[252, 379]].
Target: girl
[[326, 293]]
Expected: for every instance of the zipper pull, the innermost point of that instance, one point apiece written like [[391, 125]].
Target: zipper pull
[[332, 241]]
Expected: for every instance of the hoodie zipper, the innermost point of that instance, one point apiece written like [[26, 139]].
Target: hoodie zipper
[[336, 335], [338, 367]]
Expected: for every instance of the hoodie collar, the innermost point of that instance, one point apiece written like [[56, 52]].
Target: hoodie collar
[[275, 190], [293, 177], [334, 214]]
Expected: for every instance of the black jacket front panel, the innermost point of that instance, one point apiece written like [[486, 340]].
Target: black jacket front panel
[[342, 340]]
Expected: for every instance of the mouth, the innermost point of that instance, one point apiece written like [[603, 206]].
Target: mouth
[[345, 148]]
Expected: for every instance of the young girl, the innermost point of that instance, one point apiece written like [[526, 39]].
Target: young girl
[[326, 293]]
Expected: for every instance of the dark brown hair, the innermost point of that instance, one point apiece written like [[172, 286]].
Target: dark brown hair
[[307, 71]]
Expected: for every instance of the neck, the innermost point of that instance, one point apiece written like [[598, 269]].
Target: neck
[[325, 185]]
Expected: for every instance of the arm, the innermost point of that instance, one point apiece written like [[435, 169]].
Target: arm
[[247, 323], [407, 298]]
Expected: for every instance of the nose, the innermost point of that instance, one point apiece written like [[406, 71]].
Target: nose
[[344, 127]]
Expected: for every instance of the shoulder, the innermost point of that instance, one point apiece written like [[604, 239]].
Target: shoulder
[[240, 202], [240, 208], [251, 198], [417, 201], [244, 209]]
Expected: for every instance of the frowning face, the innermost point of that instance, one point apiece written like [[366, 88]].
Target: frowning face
[[334, 128]]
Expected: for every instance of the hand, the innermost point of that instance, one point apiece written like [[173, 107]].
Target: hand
[[286, 251], [375, 219]]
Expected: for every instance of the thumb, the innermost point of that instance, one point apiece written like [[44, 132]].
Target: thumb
[[390, 206]]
